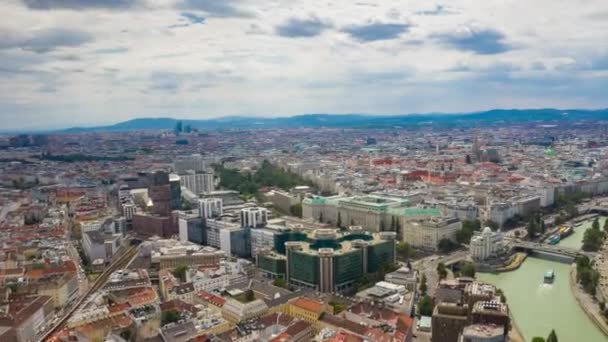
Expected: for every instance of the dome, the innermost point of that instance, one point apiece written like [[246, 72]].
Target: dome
[[487, 231]]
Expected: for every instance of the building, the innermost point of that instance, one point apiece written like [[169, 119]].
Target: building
[[483, 333], [193, 162], [491, 312], [403, 276], [448, 321], [236, 311], [191, 228], [26, 315], [172, 253], [254, 217], [197, 182], [425, 233], [372, 212], [97, 245], [210, 207], [486, 244], [326, 260]]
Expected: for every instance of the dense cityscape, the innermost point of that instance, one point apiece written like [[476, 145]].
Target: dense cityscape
[[303, 171], [302, 234]]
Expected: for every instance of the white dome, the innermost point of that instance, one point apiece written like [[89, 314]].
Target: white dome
[[487, 230]]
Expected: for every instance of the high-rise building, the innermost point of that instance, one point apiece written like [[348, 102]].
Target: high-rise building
[[194, 162], [448, 322], [197, 182], [210, 207], [254, 217]]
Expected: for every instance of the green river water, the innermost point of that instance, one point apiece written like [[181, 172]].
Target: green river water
[[537, 307]]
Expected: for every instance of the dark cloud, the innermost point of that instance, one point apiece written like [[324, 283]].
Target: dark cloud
[[376, 31], [482, 41], [297, 28], [78, 4], [216, 8], [193, 18], [44, 40]]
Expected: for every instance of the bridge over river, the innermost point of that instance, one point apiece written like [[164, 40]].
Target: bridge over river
[[551, 250]]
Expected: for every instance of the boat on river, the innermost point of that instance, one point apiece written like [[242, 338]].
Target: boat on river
[[549, 277]]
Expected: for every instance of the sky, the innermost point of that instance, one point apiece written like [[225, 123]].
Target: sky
[[70, 63]]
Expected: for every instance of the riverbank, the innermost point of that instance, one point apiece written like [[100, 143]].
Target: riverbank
[[516, 262], [587, 303]]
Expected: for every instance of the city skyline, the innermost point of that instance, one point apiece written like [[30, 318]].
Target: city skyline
[[69, 63]]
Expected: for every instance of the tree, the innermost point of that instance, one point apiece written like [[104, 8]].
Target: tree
[[280, 282], [382, 228], [170, 316], [398, 228], [296, 210], [606, 225], [532, 228], [596, 224], [442, 272], [393, 225], [503, 298], [468, 270], [446, 245], [425, 306], [339, 220], [423, 287], [404, 250], [553, 336], [493, 225], [180, 272], [249, 296], [538, 339], [593, 238]]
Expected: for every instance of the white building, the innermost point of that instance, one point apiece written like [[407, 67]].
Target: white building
[[194, 162], [426, 233], [254, 217], [210, 207], [197, 182], [486, 244]]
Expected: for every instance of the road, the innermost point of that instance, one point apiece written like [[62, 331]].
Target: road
[[428, 266]]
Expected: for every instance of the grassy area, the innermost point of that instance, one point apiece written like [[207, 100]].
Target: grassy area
[[93, 276]]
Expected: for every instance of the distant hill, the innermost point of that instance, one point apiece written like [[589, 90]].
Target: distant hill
[[486, 118]]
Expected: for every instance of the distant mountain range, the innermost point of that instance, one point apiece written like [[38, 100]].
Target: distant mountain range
[[481, 119]]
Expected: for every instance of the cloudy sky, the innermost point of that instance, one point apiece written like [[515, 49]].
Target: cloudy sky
[[88, 62]]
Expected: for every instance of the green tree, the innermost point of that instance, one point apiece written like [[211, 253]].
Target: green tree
[[423, 286], [493, 225], [404, 250], [280, 282], [339, 220], [503, 298], [442, 272], [446, 245], [296, 210], [425, 306], [606, 225], [552, 336], [180, 272], [249, 296], [468, 270], [170, 316], [538, 339], [592, 239], [596, 224], [532, 228]]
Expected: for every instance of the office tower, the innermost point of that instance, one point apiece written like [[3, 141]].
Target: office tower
[[210, 207], [254, 217]]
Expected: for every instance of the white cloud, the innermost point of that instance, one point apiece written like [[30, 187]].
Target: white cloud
[[145, 59]]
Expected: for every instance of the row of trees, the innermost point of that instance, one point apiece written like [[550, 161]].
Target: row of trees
[[536, 225], [586, 275], [551, 338], [594, 237]]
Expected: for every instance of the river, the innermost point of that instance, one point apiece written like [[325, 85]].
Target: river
[[537, 307]]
